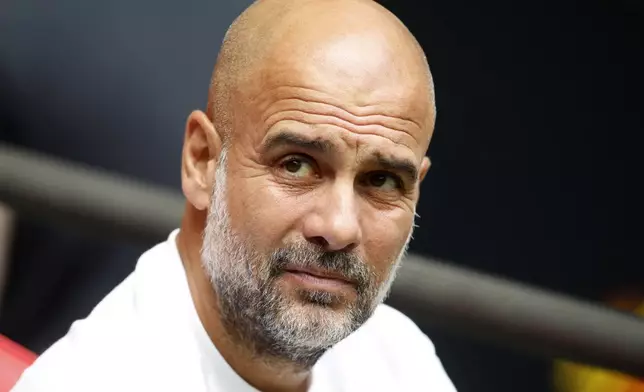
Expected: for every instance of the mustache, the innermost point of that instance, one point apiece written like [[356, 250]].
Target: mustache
[[347, 264]]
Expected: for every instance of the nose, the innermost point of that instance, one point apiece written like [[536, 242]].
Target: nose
[[334, 224]]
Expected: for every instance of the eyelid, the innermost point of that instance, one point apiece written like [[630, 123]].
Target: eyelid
[[300, 156], [402, 186]]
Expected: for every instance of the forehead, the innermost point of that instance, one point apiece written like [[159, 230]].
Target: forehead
[[351, 82], [308, 110]]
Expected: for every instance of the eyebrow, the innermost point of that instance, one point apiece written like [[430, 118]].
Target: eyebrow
[[290, 139], [402, 166]]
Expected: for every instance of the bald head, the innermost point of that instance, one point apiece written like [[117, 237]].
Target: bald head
[[313, 149], [349, 46]]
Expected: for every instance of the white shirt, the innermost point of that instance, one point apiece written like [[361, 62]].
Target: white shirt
[[146, 336]]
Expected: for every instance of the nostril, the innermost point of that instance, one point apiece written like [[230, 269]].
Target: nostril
[[350, 247], [319, 240]]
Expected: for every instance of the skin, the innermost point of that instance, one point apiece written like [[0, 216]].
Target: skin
[[327, 108]]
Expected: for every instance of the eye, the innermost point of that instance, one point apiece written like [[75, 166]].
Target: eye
[[298, 167], [384, 181]]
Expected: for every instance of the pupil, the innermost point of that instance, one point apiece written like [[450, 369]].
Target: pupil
[[378, 179], [293, 165]]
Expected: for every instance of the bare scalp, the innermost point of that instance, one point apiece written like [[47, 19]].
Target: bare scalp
[[353, 49]]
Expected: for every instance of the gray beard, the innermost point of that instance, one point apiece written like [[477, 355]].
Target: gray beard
[[272, 325]]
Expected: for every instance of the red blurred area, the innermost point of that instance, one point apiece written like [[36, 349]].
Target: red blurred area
[[14, 359]]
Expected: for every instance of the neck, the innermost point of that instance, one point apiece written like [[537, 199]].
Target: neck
[[262, 373]]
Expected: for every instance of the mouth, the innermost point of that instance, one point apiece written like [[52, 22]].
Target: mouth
[[318, 279]]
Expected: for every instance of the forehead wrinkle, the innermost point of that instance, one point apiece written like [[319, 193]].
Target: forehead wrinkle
[[272, 104], [350, 112], [323, 108], [317, 119]]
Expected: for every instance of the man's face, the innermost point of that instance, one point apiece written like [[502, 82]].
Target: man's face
[[295, 301], [312, 208], [269, 301]]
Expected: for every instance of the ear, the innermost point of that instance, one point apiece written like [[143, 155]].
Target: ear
[[201, 150], [424, 168]]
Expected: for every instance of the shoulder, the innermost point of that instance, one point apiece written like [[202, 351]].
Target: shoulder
[[391, 348], [91, 347], [102, 354], [77, 360], [117, 343]]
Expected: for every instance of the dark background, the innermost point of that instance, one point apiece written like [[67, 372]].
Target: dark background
[[536, 156]]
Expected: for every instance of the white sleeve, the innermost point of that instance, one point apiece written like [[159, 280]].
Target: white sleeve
[[83, 360], [50, 371]]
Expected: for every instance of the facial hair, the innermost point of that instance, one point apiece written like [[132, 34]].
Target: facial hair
[[255, 310]]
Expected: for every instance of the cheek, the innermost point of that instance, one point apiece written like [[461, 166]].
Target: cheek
[[260, 213], [385, 236]]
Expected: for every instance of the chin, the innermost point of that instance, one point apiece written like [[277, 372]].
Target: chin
[[335, 314], [321, 322]]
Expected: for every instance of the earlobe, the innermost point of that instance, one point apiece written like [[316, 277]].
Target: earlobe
[[201, 149], [424, 168]]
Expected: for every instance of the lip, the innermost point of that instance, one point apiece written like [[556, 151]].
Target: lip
[[318, 280], [319, 274]]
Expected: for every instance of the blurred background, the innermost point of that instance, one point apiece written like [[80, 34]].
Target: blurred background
[[536, 157]]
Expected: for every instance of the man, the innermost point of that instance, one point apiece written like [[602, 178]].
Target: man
[[301, 180]]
